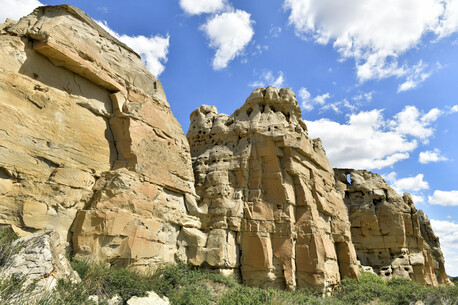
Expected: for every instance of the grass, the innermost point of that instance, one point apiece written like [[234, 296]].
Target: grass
[[184, 284]]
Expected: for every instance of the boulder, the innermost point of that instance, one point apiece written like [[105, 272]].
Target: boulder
[[39, 262]]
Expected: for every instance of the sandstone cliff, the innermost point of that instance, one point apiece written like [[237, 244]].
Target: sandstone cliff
[[388, 232], [268, 203], [88, 143], [90, 148]]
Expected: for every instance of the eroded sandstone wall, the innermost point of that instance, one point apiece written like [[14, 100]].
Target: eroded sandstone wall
[[88, 144], [267, 199], [388, 232]]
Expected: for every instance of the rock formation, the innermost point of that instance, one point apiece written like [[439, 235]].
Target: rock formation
[[268, 203], [88, 143], [90, 148], [39, 262], [388, 232]]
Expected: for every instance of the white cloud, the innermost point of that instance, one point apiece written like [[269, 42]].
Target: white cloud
[[411, 122], [449, 22], [454, 109], [362, 142], [308, 103], [429, 156], [375, 34], [15, 9], [366, 96], [337, 107], [445, 198], [229, 33], [274, 31], [153, 50], [416, 76], [268, 79], [448, 236], [197, 7], [409, 184], [418, 199], [321, 99]]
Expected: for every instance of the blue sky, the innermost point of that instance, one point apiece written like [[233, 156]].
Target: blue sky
[[376, 81]]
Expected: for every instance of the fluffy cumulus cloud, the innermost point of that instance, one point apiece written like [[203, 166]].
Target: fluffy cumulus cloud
[[376, 33], [269, 79], [153, 50], [15, 9], [229, 33], [361, 141], [454, 109], [308, 102], [448, 235], [197, 7], [409, 184], [445, 198], [411, 122], [429, 156]]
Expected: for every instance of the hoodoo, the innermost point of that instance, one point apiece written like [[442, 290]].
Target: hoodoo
[[268, 203]]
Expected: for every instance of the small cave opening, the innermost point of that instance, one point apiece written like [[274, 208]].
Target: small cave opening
[[249, 111]]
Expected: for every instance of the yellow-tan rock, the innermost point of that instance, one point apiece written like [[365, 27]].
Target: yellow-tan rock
[[88, 143], [267, 199], [388, 232]]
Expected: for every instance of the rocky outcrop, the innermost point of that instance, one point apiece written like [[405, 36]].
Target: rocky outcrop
[[268, 203], [432, 240], [89, 148], [82, 121], [388, 232], [39, 263]]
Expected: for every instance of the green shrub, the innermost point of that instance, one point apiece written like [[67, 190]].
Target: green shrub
[[183, 284], [7, 236], [402, 292], [243, 295], [370, 288], [105, 282]]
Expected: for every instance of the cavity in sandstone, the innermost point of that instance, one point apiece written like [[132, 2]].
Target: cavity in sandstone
[[267, 199], [388, 232]]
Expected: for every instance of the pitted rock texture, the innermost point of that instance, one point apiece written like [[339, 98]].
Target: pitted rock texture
[[388, 232], [78, 106], [267, 199]]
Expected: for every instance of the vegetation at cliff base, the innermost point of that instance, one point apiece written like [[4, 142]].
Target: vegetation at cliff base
[[183, 284]]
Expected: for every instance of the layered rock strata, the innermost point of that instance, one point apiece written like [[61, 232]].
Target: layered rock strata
[[268, 203], [88, 143], [388, 232]]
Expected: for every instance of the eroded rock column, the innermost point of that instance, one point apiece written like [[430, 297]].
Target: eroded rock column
[[267, 199]]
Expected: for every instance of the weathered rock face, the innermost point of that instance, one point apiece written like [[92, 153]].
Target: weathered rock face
[[82, 121], [268, 203], [388, 232], [433, 242], [38, 259]]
